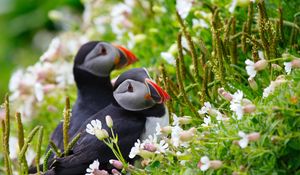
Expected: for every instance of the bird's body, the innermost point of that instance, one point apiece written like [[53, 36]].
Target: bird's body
[[127, 125], [92, 67], [137, 99]]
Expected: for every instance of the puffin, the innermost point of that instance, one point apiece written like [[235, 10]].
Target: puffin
[[137, 100], [93, 64]]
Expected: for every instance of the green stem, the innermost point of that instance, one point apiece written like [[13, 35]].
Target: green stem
[[38, 149], [66, 123]]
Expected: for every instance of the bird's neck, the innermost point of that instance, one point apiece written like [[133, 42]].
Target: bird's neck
[[91, 87]]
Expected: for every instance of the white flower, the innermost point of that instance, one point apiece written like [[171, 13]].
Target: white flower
[[237, 97], [175, 137], [93, 126], [183, 7], [168, 57], [261, 55], [238, 109], [204, 163], [250, 68], [200, 23], [244, 141], [100, 22], [135, 150], [38, 90], [158, 129], [268, 90], [271, 88], [232, 6], [120, 9], [16, 79], [92, 167], [205, 109], [53, 50], [175, 119], [161, 147], [288, 67], [64, 75], [236, 104], [206, 120]]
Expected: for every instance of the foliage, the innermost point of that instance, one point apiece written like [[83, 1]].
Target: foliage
[[232, 75]]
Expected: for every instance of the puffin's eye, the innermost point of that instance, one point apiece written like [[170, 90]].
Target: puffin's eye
[[130, 88], [102, 50]]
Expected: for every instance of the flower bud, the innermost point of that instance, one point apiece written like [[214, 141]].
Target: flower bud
[[246, 101], [146, 154], [253, 84], [221, 90], [296, 63], [139, 38], [2, 113], [276, 67], [145, 162], [101, 134], [249, 108], [100, 172], [260, 65], [184, 120], [227, 96], [253, 136], [115, 172], [187, 135], [116, 163], [109, 121], [275, 139], [48, 88], [215, 164], [150, 147], [166, 130]]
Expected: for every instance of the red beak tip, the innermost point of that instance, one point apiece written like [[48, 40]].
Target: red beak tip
[[131, 58], [163, 94]]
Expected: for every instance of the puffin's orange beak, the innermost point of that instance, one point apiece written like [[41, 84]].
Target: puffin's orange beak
[[131, 58], [163, 94]]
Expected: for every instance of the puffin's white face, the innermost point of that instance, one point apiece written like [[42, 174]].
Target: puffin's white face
[[134, 95], [102, 59]]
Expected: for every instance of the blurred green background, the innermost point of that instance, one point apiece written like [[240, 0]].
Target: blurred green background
[[25, 31]]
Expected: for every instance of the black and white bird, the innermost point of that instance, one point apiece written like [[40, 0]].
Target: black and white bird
[[137, 101], [92, 67]]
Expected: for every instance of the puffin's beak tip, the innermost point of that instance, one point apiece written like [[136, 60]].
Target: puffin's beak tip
[[131, 58]]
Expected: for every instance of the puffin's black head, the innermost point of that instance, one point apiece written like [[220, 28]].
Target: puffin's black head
[[135, 91], [100, 58]]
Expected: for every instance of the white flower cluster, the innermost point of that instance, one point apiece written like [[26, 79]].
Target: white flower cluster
[[271, 88], [210, 111], [167, 137], [241, 105]]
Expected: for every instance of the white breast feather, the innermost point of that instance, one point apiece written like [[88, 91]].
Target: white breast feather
[[151, 123]]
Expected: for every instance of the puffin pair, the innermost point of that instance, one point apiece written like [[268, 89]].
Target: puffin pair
[[92, 67], [135, 103]]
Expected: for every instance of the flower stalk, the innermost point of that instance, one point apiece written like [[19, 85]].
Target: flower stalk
[[66, 123]]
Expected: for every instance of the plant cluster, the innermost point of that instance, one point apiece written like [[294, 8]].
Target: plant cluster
[[231, 69]]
